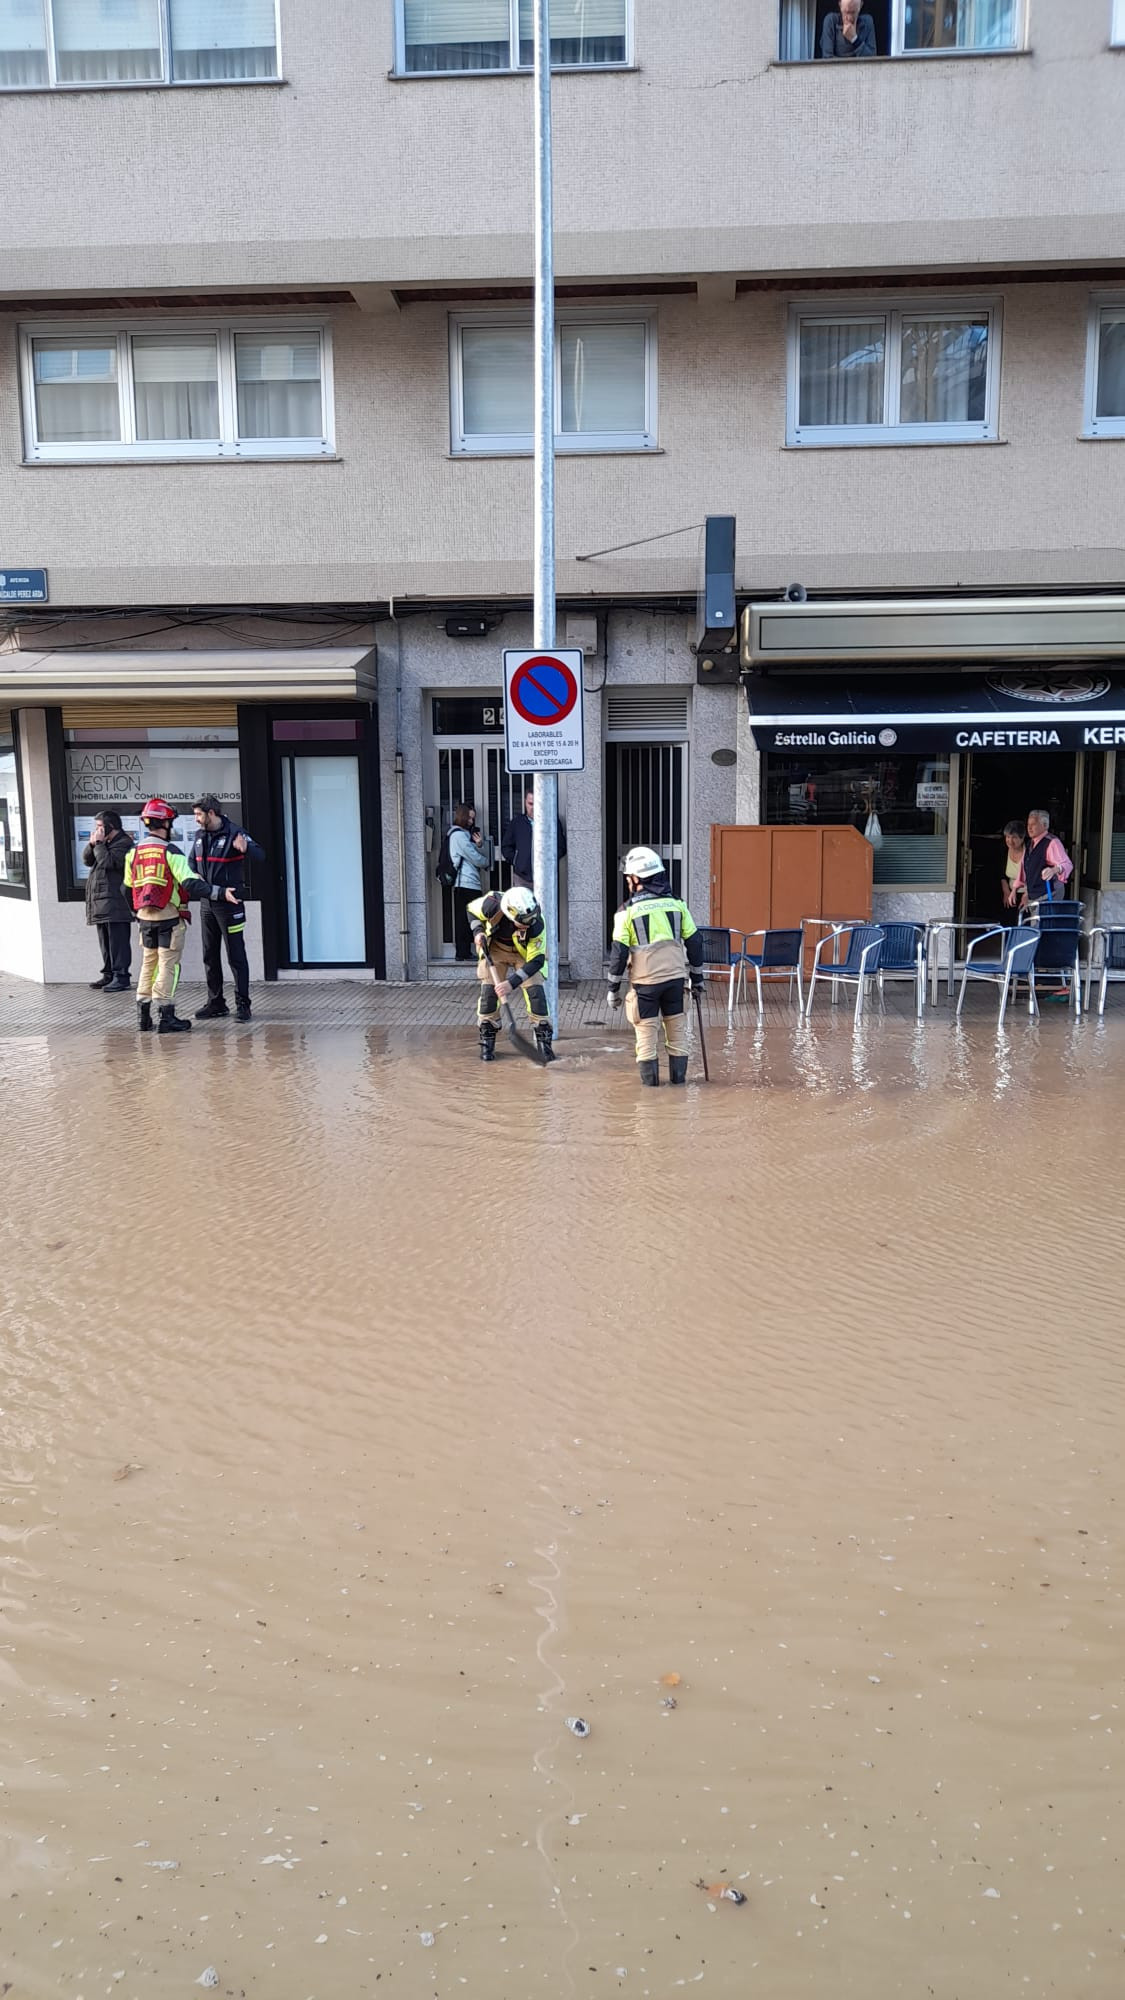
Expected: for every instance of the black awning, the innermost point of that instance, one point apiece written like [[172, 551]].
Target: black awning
[[1020, 709]]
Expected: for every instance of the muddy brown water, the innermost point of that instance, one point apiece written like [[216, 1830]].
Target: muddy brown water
[[456, 1402]]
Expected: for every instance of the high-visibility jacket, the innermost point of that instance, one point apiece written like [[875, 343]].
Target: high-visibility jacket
[[531, 944], [656, 937], [186, 884]]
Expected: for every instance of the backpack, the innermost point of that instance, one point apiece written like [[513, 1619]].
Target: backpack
[[154, 885], [447, 869]]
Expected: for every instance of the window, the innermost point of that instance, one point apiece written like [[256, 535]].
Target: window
[[1117, 30], [605, 384], [69, 43], [13, 849], [900, 802], [906, 27], [447, 37], [925, 372], [124, 767], [194, 392], [1105, 370], [1117, 830]]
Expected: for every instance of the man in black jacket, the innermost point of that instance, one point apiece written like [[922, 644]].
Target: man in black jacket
[[515, 847], [107, 905], [219, 854]]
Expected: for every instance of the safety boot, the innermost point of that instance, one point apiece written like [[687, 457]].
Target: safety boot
[[487, 1042], [212, 1010], [144, 1017], [649, 1072], [677, 1069], [170, 1022], [543, 1036]]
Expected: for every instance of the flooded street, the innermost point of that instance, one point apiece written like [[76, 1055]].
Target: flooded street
[[367, 1413]]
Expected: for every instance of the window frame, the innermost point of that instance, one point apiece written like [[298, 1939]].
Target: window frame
[[1094, 426], [891, 312], [1117, 25], [512, 69], [129, 450], [898, 52], [167, 80], [20, 890], [571, 443]]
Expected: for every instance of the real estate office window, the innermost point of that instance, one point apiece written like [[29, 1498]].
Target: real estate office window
[[922, 372], [460, 37], [198, 391], [605, 383], [910, 27], [68, 44]]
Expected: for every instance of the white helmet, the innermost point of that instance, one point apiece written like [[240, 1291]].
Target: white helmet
[[643, 862], [519, 906]]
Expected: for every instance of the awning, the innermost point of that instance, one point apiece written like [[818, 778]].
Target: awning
[[1017, 709], [275, 673]]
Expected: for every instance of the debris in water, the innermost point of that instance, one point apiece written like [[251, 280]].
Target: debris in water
[[123, 1471], [670, 1680], [577, 1726], [208, 1978], [668, 1701], [426, 1937], [165, 1867], [724, 1891]]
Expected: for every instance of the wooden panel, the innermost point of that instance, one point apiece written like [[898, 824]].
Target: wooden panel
[[849, 862], [796, 875], [740, 876], [206, 713]]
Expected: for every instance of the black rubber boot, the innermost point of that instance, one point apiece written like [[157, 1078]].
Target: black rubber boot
[[543, 1037], [211, 1010], [170, 1022], [487, 1043], [144, 1017], [677, 1069], [649, 1072]]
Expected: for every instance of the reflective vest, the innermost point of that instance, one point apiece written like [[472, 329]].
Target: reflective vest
[[531, 944], [149, 868], [653, 930]]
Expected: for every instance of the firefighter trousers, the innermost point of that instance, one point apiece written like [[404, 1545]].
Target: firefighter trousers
[[646, 1007], [216, 922], [161, 950], [506, 959]]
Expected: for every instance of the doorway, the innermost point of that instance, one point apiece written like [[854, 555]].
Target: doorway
[[997, 787], [326, 814], [645, 806]]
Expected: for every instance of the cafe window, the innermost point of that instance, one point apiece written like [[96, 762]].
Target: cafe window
[[899, 803], [124, 768], [13, 846], [1117, 832]]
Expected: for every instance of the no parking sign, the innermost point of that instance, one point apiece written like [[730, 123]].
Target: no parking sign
[[543, 723]]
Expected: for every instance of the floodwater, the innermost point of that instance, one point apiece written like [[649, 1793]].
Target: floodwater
[[367, 1413]]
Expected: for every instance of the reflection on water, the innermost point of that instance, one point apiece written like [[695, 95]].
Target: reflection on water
[[366, 1414]]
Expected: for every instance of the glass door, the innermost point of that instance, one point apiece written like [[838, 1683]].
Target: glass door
[[323, 859]]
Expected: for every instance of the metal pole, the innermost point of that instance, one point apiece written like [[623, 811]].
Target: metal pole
[[545, 842]]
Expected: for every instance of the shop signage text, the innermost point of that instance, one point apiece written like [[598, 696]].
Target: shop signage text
[[23, 586], [129, 777], [944, 735]]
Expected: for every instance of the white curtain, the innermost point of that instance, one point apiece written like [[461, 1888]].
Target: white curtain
[[603, 379], [95, 43], [278, 385], [842, 369], [1111, 366], [23, 43], [582, 31], [798, 30], [219, 40], [497, 381], [944, 371], [176, 386], [76, 399], [960, 24], [457, 34]]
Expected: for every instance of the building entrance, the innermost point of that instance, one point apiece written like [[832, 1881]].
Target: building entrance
[[997, 787]]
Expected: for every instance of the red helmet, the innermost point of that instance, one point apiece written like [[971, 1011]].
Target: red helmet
[[156, 809]]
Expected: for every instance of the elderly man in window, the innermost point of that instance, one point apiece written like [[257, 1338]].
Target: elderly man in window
[[848, 32]]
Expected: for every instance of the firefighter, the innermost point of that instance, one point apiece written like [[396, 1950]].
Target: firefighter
[[655, 937], [161, 884], [511, 928]]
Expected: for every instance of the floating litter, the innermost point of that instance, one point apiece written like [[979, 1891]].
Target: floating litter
[[577, 1725], [426, 1937], [164, 1866], [208, 1978]]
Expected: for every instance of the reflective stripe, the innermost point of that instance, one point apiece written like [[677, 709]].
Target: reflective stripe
[[233, 929]]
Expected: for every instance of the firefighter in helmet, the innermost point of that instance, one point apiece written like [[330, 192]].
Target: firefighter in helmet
[[511, 931], [161, 884], [655, 937]]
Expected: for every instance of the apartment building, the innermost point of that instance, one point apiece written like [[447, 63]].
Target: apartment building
[[265, 434]]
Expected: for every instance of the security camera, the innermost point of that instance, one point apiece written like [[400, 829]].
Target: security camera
[[795, 593]]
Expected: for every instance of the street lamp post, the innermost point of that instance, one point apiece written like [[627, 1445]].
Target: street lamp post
[[545, 843]]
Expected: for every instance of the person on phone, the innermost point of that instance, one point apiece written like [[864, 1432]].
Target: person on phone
[[471, 855], [108, 907], [219, 854]]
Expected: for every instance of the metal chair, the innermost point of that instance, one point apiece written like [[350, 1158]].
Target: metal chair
[[1060, 946], [720, 955], [904, 956], [1018, 949], [1112, 959], [861, 962], [781, 955]]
